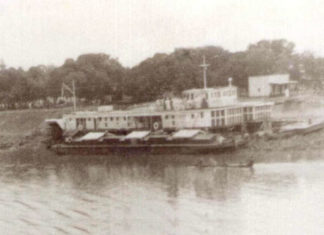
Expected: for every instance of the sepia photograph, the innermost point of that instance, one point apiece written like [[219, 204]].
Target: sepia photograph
[[173, 117]]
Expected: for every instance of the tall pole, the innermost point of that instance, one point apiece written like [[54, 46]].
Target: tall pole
[[72, 91], [74, 98], [204, 66]]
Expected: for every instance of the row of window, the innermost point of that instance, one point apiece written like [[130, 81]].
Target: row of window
[[193, 115], [264, 115], [248, 117], [234, 120], [167, 116], [218, 122], [248, 109], [101, 119], [215, 94], [229, 93], [218, 113], [234, 111], [191, 96]]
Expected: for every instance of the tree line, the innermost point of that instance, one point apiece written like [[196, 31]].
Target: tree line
[[98, 76]]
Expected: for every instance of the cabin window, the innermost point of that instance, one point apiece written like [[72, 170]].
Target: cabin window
[[89, 119], [99, 119], [111, 119], [166, 117], [124, 118], [212, 113], [222, 112]]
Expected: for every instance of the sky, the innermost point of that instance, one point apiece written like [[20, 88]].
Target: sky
[[34, 32]]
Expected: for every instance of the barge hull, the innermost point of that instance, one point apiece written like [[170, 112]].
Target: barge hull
[[147, 149]]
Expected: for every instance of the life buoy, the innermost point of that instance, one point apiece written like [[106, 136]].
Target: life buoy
[[156, 126]]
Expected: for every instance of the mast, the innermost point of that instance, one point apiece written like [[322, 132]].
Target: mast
[[204, 66], [72, 91]]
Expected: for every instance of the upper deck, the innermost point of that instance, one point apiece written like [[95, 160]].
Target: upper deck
[[196, 108]]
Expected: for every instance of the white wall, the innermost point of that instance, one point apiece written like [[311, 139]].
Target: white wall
[[260, 85]]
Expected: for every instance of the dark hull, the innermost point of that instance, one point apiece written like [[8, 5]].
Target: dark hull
[[142, 148]]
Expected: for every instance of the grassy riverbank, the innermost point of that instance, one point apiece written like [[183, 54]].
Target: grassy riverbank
[[21, 128]]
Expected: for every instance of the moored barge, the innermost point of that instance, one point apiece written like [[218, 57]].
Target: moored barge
[[202, 112], [183, 141]]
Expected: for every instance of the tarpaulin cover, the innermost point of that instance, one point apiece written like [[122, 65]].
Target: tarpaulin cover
[[137, 135], [186, 133], [92, 136]]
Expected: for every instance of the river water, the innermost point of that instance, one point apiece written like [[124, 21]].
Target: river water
[[93, 195]]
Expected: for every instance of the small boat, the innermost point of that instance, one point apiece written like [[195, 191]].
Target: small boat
[[300, 128]]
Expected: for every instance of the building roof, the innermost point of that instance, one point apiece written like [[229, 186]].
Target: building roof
[[283, 82], [284, 75], [59, 122], [198, 90]]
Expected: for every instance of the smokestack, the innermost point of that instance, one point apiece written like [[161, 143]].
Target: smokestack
[[230, 82]]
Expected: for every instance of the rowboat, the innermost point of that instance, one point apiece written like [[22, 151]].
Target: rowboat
[[299, 128]]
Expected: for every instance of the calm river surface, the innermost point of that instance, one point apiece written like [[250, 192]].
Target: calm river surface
[[90, 195]]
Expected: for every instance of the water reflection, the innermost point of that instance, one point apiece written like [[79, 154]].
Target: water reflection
[[100, 195]]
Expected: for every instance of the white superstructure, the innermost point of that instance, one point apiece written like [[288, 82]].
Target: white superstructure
[[205, 108]]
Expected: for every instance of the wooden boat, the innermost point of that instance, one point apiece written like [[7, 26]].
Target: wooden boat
[[300, 128], [182, 141]]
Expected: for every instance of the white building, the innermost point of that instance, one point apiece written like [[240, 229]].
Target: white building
[[271, 85]]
